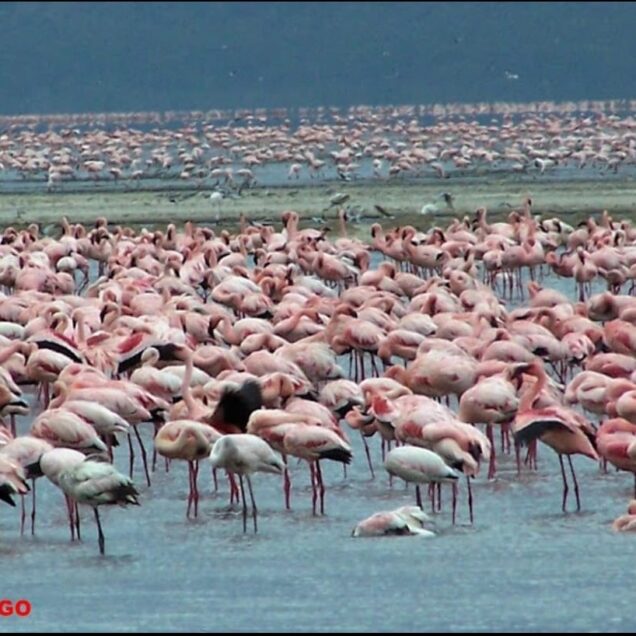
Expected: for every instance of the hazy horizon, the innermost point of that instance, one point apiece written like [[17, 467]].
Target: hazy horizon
[[63, 57]]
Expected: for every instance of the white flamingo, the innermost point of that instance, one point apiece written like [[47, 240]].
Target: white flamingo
[[97, 484], [87, 481], [244, 454], [420, 466]]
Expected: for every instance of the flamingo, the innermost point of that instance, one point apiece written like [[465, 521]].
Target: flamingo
[[61, 427], [420, 466], [314, 443], [616, 443], [12, 480], [491, 400], [626, 522], [189, 440], [26, 451], [564, 430], [96, 484], [51, 464], [244, 454], [406, 520]]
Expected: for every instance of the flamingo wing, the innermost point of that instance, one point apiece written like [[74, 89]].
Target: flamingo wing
[[235, 407], [536, 428]]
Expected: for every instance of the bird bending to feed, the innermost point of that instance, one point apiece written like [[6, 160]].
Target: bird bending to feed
[[245, 454], [12, 480], [404, 521], [96, 484], [420, 466], [564, 430], [627, 522]]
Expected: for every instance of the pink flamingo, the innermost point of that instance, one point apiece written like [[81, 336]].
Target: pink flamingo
[[406, 520], [26, 450], [565, 431], [626, 522], [314, 443]]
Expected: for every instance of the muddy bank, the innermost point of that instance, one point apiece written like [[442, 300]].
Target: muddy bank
[[403, 200]]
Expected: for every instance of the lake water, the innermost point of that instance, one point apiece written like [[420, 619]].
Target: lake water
[[522, 566]]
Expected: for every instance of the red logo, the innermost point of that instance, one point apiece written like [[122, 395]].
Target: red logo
[[21, 608]]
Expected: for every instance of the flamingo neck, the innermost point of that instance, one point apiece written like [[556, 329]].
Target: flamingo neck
[[533, 392], [185, 386]]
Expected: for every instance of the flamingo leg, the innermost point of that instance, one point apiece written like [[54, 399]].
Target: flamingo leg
[[100, 533], [132, 456], [518, 458], [314, 493], [195, 475], [190, 490], [32, 506], [454, 504], [565, 483], [77, 520], [71, 521], [154, 450], [439, 496], [576, 485], [287, 488], [532, 450], [320, 484], [470, 499], [22, 515], [368, 454], [215, 480], [418, 496], [254, 510], [244, 503], [505, 437], [376, 372], [144, 457], [234, 491], [492, 465]]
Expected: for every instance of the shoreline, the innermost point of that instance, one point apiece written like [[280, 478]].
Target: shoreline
[[401, 199]]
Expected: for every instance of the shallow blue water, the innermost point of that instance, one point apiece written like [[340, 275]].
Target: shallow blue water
[[522, 566]]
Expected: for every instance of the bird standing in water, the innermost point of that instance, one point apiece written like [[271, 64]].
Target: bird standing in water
[[245, 454], [96, 484]]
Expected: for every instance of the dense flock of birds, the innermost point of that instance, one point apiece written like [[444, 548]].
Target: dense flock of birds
[[254, 348], [231, 151], [231, 346]]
